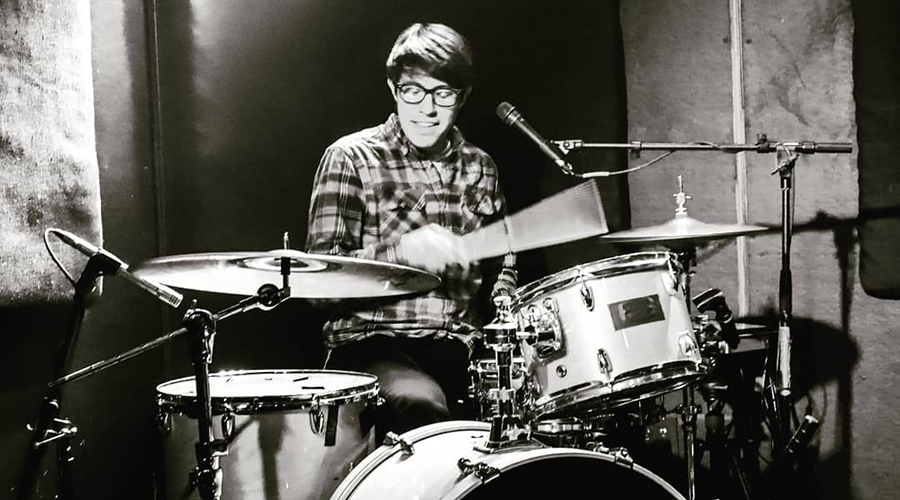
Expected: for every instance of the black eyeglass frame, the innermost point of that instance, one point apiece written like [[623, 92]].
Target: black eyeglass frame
[[425, 92]]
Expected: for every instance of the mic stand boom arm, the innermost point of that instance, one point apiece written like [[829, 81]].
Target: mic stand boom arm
[[763, 145]]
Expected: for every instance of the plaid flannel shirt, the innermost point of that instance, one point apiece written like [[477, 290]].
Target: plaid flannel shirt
[[373, 186]]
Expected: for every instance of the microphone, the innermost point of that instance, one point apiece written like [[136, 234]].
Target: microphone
[[167, 295], [810, 147], [801, 439], [510, 116]]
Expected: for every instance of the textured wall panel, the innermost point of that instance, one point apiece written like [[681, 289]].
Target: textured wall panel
[[48, 163], [798, 86]]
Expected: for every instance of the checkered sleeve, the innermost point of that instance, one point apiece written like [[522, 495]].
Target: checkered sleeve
[[336, 208], [337, 211]]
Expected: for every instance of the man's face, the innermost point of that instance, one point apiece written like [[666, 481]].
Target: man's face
[[427, 123]]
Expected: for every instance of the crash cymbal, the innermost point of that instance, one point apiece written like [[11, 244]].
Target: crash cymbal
[[311, 275], [681, 231]]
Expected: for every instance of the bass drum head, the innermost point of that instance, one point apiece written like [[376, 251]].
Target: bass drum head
[[432, 466]]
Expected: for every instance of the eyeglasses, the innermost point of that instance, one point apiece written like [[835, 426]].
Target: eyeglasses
[[413, 93]]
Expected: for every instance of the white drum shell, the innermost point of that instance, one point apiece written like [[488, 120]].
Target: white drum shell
[[277, 449], [431, 470], [643, 354]]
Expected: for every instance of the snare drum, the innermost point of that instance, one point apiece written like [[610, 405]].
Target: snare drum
[[613, 331], [290, 433], [444, 461]]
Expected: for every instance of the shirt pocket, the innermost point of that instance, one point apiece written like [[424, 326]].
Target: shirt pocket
[[479, 208], [401, 210]]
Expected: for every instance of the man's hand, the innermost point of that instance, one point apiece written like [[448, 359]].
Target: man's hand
[[432, 248]]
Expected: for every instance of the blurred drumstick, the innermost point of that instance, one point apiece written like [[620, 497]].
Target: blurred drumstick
[[569, 215]]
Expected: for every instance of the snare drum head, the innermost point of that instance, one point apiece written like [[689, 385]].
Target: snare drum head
[[284, 388]]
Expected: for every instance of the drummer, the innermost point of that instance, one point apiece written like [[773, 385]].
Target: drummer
[[404, 192]]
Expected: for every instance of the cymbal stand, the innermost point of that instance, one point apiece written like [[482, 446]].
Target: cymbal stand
[[50, 427], [201, 325], [689, 412]]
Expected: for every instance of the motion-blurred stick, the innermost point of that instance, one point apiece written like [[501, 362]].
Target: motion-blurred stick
[[569, 215]]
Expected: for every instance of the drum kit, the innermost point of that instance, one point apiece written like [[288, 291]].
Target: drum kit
[[570, 351]]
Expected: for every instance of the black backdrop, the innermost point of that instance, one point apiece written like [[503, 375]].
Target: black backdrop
[[250, 94]]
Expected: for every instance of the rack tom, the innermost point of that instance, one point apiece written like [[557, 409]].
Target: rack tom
[[611, 332]]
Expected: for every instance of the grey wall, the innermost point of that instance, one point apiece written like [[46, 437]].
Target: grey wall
[[799, 86]]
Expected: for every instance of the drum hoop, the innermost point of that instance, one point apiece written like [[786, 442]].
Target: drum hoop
[[624, 264], [679, 372], [383, 453], [463, 488], [185, 404]]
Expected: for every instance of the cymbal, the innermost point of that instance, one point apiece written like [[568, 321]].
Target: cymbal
[[311, 275], [682, 230]]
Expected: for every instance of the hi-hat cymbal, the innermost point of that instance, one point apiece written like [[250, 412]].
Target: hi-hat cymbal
[[311, 275], [682, 230]]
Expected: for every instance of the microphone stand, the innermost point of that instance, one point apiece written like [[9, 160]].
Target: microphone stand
[[783, 398], [201, 325], [50, 427]]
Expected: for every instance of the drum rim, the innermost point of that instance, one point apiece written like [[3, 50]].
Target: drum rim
[[381, 454], [260, 403], [680, 373], [628, 263]]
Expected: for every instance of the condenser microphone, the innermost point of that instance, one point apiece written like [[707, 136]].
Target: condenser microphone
[[510, 116], [167, 295]]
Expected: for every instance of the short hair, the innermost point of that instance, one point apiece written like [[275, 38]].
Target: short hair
[[435, 49]]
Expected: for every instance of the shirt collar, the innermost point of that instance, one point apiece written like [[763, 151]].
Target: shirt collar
[[395, 132]]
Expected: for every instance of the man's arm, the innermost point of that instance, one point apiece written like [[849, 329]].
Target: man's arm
[[337, 212]]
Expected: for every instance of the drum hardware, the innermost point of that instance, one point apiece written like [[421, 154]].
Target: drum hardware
[[689, 412], [541, 324], [714, 300], [393, 439], [481, 470], [501, 336]]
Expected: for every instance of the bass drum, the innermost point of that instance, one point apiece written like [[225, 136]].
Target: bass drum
[[443, 461]]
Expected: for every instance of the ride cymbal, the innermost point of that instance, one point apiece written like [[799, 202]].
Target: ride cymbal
[[311, 275]]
